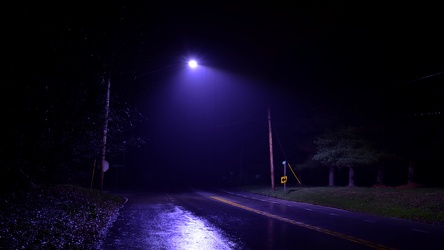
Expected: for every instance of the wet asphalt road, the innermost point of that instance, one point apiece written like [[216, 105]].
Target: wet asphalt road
[[153, 220], [198, 219]]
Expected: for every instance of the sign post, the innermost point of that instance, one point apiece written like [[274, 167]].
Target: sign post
[[285, 175]]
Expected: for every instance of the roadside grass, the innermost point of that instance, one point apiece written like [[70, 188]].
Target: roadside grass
[[57, 217], [416, 204]]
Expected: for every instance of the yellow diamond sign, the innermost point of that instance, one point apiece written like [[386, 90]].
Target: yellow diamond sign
[[284, 179]]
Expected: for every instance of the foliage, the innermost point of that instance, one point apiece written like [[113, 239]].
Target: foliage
[[59, 128], [346, 147], [309, 163], [123, 119]]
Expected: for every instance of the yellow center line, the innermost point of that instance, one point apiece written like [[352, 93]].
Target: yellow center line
[[301, 224]]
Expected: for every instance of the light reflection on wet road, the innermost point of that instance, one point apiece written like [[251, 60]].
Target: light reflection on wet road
[[194, 234], [152, 221]]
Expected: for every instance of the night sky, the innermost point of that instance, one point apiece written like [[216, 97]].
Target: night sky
[[298, 58]]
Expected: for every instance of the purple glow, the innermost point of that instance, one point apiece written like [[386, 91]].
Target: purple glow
[[192, 64]]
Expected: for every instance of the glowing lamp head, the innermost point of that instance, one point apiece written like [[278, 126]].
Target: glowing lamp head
[[192, 64]]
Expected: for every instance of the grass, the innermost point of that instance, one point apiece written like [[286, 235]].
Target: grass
[[57, 217], [416, 204]]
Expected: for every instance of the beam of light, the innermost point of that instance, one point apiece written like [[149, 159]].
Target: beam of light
[[192, 64]]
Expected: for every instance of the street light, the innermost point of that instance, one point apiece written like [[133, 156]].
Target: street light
[[192, 64]]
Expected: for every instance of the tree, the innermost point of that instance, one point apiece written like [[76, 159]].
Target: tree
[[122, 119], [57, 130], [348, 147], [52, 107]]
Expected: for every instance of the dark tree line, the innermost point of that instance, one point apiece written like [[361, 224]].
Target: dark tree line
[[53, 131], [398, 139], [52, 94], [409, 147]]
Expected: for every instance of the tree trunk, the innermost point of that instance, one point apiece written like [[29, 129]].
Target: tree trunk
[[380, 176], [410, 177], [331, 177], [351, 177]]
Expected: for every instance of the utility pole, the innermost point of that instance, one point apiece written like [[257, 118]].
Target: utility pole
[[240, 167], [270, 139], [105, 132]]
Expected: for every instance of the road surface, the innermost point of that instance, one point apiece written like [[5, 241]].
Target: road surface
[[229, 219]]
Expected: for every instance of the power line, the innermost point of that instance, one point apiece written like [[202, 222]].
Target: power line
[[424, 77], [412, 81]]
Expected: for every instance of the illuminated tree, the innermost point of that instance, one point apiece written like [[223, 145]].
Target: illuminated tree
[[348, 147]]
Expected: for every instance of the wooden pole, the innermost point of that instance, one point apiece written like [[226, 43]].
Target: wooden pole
[[240, 167], [270, 139], [92, 177], [105, 132]]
